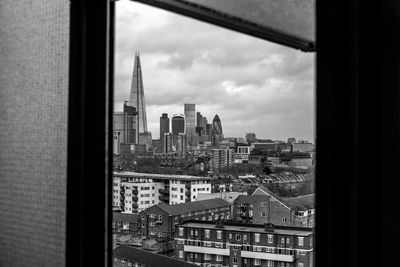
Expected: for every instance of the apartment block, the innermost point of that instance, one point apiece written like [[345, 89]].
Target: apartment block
[[134, 192], [160, 220], [265, 207], [221, 158], [243, 245]]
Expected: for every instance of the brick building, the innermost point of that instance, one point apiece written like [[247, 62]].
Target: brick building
[[265, 207], [160, 220], [126, 256], [124, 223], [243, 245]]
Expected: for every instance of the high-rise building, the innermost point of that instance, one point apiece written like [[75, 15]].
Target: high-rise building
[[164, 126], [221, 158], [204, 124], [137, 100], [190, 122], [199, 120], [216, 132], [180, 144], [167, 143], [124, 127], [178, 126]]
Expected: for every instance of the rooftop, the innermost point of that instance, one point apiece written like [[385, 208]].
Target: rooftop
[[124, 217], [301, 203], [183, 208], [147, 258], [159, 176], [251, 198], [252, 228]]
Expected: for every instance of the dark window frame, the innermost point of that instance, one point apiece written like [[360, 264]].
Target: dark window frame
[[357, 101]]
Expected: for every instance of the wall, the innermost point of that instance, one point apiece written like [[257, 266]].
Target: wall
[[34, 50]]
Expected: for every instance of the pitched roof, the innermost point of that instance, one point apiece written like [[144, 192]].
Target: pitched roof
[[183, 208], [301, 203], [147, 258], [125, 217], [250, 199]]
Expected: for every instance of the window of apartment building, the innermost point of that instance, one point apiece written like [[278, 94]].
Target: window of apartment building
[[234, 260], [219, 258], [180, 254], [160, 218], [207, 233], [287, 240], [256, 237], [300, 241], [238, 237], [270, 239], [257, 262], [180, 231], [300, 264], [207, 256], [196, 233], [219, 234], [263, 214]]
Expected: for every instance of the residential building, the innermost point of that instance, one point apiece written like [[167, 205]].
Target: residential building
[[228, 196], [303, 146], [221, 158], [160, 220], [134, 192], [295, 211], [128, 256], [124, 223], [244, 245]]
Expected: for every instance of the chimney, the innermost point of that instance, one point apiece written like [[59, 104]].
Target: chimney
[[269, 227]]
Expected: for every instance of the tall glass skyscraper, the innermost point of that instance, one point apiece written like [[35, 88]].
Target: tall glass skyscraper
[[137, 100], [216, 134], [178, 126], [190, 122], [164, 127]]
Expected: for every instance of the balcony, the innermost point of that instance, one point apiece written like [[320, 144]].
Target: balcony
[[134, 205], [135, 199], [267, 256], [163, 191], [134, 191], [207, 250], [164, 198]]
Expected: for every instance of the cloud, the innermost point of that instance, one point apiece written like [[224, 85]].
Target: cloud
[[248, 82]]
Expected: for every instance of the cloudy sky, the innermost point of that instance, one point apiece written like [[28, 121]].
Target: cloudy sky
[[253, 85]]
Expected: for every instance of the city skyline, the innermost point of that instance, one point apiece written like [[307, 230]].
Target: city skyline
[[253, 85]]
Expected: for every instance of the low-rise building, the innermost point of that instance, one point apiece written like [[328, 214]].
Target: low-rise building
[[134, 192], [244, 245], [228, 196], [295, 211], [127, 256], [160, 220], [124, 223]]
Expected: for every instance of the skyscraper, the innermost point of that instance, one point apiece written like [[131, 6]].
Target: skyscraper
[[216, 132], [178, 126], [164, 126], [137, 100], [190, 122], [124, 127]]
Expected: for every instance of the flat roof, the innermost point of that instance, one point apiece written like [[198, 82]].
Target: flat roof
[[297, 231], [160, 176]]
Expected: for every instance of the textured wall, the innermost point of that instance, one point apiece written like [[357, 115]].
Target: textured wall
[[34, 49]]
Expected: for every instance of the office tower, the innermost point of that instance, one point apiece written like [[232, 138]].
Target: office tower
[[181, 143], [124, 127], [178, 126], [199, 120], [164, 126], [167, 143], [216, 132], [190, 122], [137, 100], [204, 125]]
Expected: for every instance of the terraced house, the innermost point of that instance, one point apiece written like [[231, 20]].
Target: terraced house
[[222, 244]]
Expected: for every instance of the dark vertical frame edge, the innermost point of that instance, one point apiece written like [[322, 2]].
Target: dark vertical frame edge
[[89, 160]]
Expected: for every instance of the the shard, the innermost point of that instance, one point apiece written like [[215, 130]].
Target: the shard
[[137, 100]]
